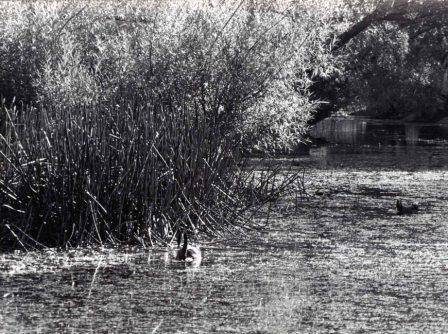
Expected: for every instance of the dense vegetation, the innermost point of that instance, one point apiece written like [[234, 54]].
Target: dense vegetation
[[393, 60], [125, 121]]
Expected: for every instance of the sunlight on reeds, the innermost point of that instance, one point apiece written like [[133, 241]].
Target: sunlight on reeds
[[124, 122]]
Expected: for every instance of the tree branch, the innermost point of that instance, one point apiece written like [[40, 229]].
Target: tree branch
[[398, 11]]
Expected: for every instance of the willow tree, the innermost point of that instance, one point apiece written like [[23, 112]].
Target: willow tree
[[419, 28]]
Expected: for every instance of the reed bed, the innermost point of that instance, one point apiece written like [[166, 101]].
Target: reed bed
[[125, 122], [116, 174]]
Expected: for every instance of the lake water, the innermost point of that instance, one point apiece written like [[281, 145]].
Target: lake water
[[361, 131], [336, 259]]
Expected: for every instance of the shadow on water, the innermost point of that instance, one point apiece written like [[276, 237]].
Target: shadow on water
[[379, 144], [362, 131], [341, 261], [369, 157]]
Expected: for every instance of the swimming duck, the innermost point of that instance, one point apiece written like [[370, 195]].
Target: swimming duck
[[187, 253], [402, 210]]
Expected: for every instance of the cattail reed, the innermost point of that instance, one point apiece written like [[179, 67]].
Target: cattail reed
[[124, 123]]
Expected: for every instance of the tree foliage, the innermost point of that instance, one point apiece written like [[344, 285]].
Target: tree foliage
[[392, 55]]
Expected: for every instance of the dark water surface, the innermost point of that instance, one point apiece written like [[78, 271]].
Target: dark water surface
[[362, 131], [335, 260]]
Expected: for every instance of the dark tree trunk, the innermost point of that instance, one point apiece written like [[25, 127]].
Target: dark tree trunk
[[403, 12], [358, 28]]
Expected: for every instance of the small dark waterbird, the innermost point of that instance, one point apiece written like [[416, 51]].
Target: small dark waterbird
[[405, 210], [188, 253]]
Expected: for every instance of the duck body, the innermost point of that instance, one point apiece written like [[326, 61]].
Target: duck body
[[405, 210], [188, 253]]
